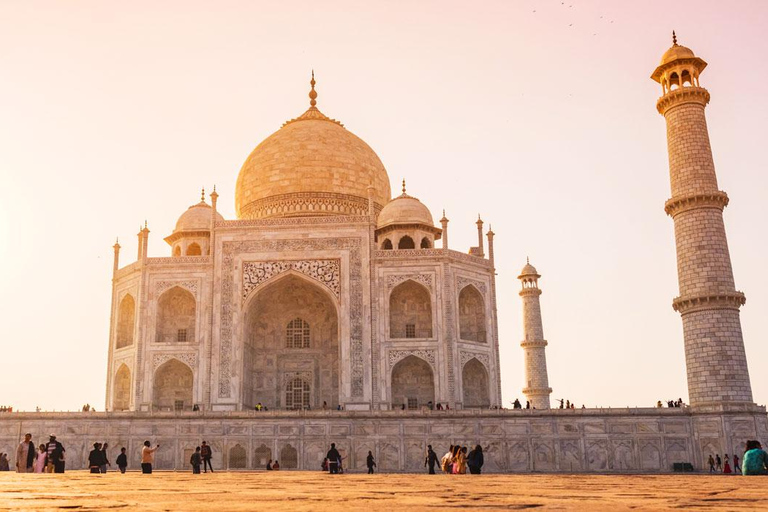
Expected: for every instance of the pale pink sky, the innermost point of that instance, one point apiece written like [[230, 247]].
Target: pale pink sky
[[540, 115]]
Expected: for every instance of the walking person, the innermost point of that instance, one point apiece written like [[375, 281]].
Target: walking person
[[25, 455], [333, 459], [446, 463], [718, 463], [206, 454], [195, 460], [430, 460], [148, 457], [711, 463], [42, 458], [122, 460], [95, 459], [475, 460], [460, 461], [56, 451], [736, 467], [5, 464], [104, 460], [370, 462]]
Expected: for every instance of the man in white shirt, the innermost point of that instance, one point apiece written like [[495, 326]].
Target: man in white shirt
[[25, 455], [147, 457]]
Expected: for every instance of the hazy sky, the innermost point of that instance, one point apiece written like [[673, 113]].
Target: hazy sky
[[540, 115]]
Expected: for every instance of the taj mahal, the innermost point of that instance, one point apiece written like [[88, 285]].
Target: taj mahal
[[345, 315]]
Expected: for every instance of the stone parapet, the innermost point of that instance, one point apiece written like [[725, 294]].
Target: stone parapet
[[678, 205], [680, 96], [732, 300]]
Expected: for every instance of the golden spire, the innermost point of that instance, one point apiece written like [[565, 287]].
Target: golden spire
[[202, 195], [674, 38], [312, 93], [403, 186]]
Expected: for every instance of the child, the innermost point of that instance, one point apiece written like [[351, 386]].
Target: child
[[122, 460], [196, 460]]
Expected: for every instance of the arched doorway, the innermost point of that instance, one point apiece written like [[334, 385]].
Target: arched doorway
[[410, 311], [261, 456], [474, 381], [121, 389], [237, 457], [471, 314], [176, 315], [413, 383], [289, 457], [126, 318], [291, 331], [172, 387]]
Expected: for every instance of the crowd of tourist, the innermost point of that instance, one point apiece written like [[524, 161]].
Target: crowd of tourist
[[671, 403], [6, 408]]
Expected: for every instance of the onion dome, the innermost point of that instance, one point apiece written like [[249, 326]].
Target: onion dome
[[196, 218], [528, 270], [404, 209], [311, 166]]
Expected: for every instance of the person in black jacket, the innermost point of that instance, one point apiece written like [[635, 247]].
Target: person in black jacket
[[333, 459], [475, 460], [56, 452], [122, 460], [195, 460], [431, 460], [95, 458], [206, 454], [370, 463]]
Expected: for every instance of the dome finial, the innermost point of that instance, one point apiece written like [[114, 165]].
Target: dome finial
[[674, 38], [312, 93], [403, 186], [202, 195], [527, 260]]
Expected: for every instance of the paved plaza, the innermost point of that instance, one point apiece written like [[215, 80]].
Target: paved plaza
[[79, 490]]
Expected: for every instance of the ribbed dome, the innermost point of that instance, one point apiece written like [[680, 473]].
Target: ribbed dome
[[310, 166], [676, 52], [196, 218], [404, 210], [528, 270]]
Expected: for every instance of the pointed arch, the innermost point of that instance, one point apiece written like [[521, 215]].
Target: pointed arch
[[176, 316], [410, 311], [172, 386], [237, 457], [387, 245], [177, 251], [412, 383], [194, 249], [126, 320], [475, 385], [425, 243], [471, 314], [289, 457], [121, 389], [261, 456], [406, 242]]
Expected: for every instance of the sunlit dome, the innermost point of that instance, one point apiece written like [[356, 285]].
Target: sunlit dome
[[404, 209], [196, 218]]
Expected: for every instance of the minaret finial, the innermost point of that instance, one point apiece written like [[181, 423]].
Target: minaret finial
[[403, 186], [312, 93], [674, 38], [145, 224], [202, 195], [527, 260]]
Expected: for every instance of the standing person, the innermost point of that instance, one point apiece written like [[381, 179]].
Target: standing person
[[460, 461], [105, 461], [56, 452], [446, 463], [195, 460], [370, 462], [148, 457], [205, 453], [755, 460], [42, 458], [726, 466], [333, 459], [711, 463], [430, 460], [475, 460], [25, 455], [5, 464], [122, 460], [736, 467], [718, 462], [269, 465], [95, 459]]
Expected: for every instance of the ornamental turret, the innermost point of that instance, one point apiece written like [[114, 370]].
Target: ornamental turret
[[708, 302]]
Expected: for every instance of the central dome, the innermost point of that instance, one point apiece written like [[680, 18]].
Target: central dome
[[311, 166]]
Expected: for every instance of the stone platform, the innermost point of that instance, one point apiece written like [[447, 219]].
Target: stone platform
[[558, 440], [315, 491]]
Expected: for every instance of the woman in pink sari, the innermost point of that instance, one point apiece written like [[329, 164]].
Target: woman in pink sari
[[42, 454]]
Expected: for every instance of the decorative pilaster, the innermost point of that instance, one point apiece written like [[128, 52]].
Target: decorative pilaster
[[444, 224]]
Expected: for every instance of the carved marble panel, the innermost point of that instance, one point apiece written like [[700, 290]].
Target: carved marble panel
[[395, 279], [480, 356], [461, 282], [325, 272], [161, 286], [188, 358], [395, 356]]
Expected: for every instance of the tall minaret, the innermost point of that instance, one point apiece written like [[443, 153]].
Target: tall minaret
[[708, 302], [537, 388]]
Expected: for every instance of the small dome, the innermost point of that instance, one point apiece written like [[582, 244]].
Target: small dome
[[196, 218], [404, 209], [528, 270], [677, 52]]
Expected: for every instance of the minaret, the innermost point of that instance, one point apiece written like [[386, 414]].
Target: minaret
[[116, 261], [708, 302], [480, 249], [536, 388], [444, 224]]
